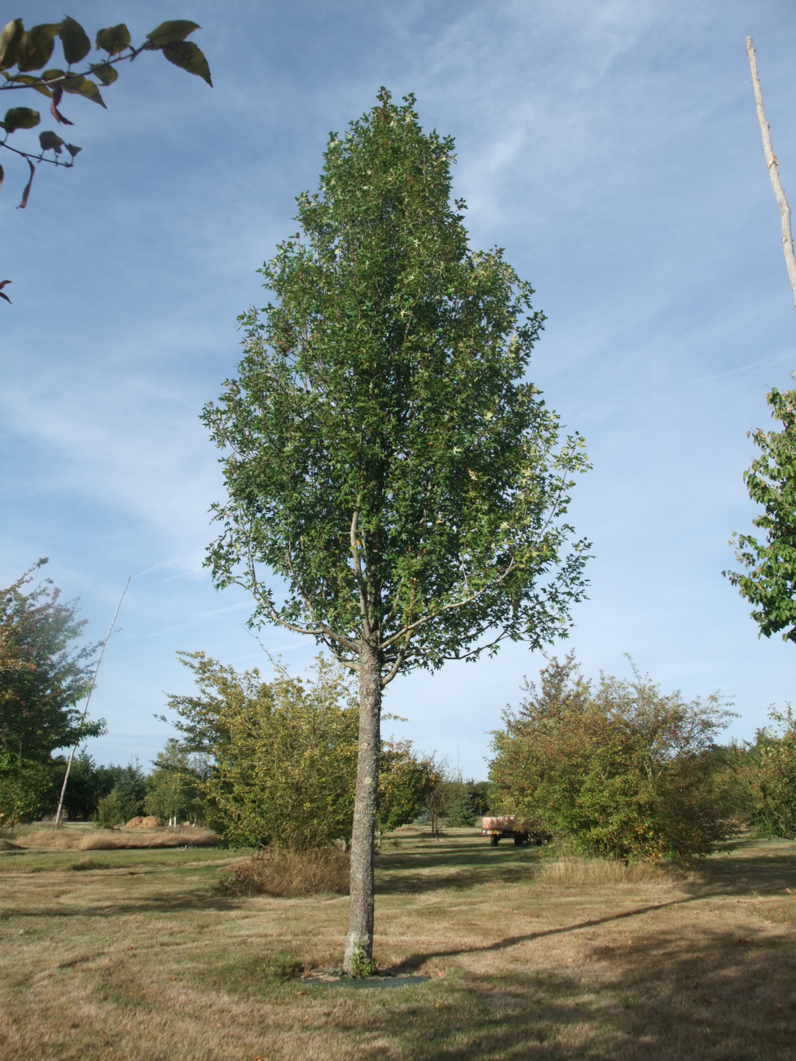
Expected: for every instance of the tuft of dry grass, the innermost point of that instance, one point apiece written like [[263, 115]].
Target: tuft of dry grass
[[281, 872], [116, 840], [600, 871], [87, 863]]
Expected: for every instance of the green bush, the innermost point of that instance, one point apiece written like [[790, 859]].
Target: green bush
[[772, 778], [28, 790], [620, 769], [283, 753]]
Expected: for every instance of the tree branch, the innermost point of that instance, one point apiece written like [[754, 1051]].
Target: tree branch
[[323, 631], [450, 607], [363, 602]]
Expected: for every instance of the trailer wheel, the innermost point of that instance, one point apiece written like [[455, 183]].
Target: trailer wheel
[[519, 841], [493, 840]]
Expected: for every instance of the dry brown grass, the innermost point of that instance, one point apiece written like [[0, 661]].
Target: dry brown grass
[[324, 871], [144, 960], [78, 839], [595, 872]]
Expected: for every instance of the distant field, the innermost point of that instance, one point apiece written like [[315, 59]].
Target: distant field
[[138, 957]]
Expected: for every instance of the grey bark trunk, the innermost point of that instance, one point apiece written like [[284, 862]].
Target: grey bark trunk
[[359, 941]]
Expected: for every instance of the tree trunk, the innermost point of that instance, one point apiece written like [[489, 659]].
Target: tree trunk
[[773, 170], [359, 941]]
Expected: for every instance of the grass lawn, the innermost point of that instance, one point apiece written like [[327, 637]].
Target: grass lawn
[[138, 957]]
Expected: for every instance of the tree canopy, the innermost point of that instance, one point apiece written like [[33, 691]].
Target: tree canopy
[[769, 582], [396, 487]]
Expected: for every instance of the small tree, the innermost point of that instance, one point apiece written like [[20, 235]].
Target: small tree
[[623, 770], [405, 783], [282, 753], [384, 455], [42, 679], [769, 583]]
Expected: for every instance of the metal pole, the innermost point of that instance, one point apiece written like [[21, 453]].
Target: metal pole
[[88, 701]]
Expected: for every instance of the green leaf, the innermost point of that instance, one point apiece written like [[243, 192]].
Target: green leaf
[[187, 56], [81, 86], [105, 72], [74, 40], [34, 81], [170, 32], [37, 46], [20, 118], [10, 38], [51, 142], [114, 39], [72, 149]]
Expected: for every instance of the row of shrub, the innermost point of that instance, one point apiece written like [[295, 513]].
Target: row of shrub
[[616, 768]]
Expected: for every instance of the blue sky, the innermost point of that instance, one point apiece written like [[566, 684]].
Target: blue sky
[[610, 146]]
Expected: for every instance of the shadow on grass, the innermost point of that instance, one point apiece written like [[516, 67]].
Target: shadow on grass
[[702, 999], [167, 904], [469, 853]]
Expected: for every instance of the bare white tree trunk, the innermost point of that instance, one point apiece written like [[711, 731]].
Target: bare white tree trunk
[[69, 761], [773, 170]]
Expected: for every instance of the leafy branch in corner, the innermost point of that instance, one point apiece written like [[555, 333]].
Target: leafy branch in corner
[[23, 51]]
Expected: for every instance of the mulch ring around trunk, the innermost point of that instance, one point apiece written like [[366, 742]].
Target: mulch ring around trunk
[[336, 978]]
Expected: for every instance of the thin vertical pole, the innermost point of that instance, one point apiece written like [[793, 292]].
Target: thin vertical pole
[[773, 170], [88, 701]]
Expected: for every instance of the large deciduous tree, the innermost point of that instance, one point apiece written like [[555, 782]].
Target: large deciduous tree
[[769, 582], [384, 456]]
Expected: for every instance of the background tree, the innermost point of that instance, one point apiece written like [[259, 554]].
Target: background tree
[[125, 799], [405, 783], [42, 679], [622, 770], [174, 787], [23, 51], [769, 583], [771, 776], [383, 454], [88, 784], [454, 800]]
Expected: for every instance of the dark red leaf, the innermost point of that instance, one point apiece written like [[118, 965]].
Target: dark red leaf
[[26, 193], [2, 285], [57, 93]]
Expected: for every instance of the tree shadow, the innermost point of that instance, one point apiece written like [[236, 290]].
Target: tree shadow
[[167, 904], [710, 997]]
